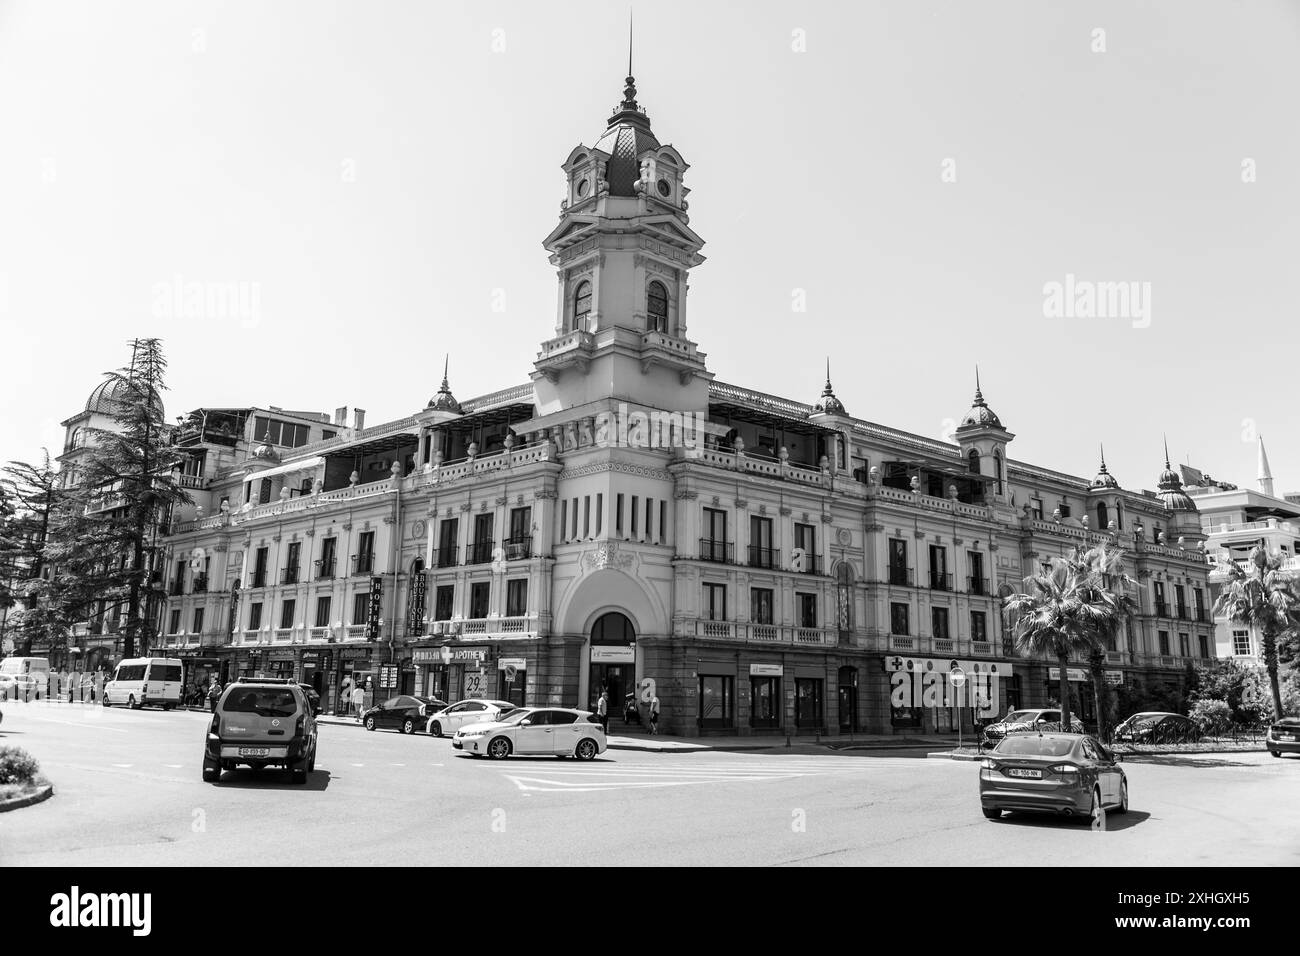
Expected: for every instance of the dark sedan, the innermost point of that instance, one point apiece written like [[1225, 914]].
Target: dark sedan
[[1156, 727], [404, 713], [1284, 737], [1066, 774]]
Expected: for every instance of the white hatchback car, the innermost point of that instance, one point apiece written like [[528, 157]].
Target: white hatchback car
[[546, 731], [450, 719]]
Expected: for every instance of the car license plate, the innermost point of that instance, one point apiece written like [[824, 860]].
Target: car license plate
[[1289, 737], [254, 751], [1031, 774]]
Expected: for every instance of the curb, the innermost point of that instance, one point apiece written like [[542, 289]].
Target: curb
[[17, 803], [945, 755]]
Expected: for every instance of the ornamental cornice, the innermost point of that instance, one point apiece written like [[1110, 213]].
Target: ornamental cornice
[[599, 467]]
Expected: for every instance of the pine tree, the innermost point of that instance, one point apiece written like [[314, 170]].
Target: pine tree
[[129, 488], [31, 494]]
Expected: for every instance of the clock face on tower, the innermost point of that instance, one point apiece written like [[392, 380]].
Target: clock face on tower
[[583, 186], [663, 187]]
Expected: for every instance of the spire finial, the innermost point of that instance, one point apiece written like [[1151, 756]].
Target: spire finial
[[827, 389], [629, 85], [446, 363], [629, 41], [979, 396], [1166, 440], [1102, 446]]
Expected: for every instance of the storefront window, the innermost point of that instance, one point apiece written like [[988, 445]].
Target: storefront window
[[717, 704], [765, 702], [808, 702]]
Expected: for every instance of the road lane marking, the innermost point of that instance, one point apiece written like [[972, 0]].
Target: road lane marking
[[173, 766], [124, 766], [358, 765]]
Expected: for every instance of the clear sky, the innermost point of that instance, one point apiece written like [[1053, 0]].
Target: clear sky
[[376, 178]]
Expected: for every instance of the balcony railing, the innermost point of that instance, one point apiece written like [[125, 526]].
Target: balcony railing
[[355, 632], [324, 569], [282, 635], [518, 549], [200, 583], [318, 634], [812, 564], [981, 648], [902, 642], [1162, 609], [176, 588], [480, 552], [977, 585], [900, 576], [721, 552], [444, 557], [1182, 613], [762, 557], [944, 645], [1201, 616], [259, 579], [289, 575], [940, 581], [363, 563], [751, 633]]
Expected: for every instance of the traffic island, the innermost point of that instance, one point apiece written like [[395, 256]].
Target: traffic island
[[14, 797], [21, 783]]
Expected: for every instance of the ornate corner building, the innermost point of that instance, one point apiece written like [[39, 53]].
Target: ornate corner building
[[623, 519]]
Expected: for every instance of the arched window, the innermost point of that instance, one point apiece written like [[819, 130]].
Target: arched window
[[997, 469], [1119, 515], [264, 491], [974, 457], [1103, 516], [844, 597], [613, 628], [656, 307], [581, 306]]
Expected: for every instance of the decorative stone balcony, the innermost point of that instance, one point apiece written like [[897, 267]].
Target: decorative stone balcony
[[570, 350], [747, 633]]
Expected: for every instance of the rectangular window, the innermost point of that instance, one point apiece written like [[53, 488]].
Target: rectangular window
[[807, 605], [618, 514], [1180, 600], [805, 539], [600, 512], [765, 702], [484, 538], [1204, 647], [977, 584], [520, 543], [899, 622], [259, 568], [328, 550], [443, 598], [1241, 643], [292, 561], [808, 710], [255, 616], [715, 524], [573, 533], [636, 511], [1184, 645], [478, 599], [761, 552], [366, 552], [1164, 643], [1198, 599], [940, 579], [1036, 507], [564, 519], [715, 602], [286, 613], [939, 623], [586, 516], [649, 517], [448, 536], [717, 700], [1065, 510], [663, 521], [760, 605], [517, 597], [1162, 609], [198, 621], [899, 572], [361, 607], [323, 611], [979, 628], [174, 626]]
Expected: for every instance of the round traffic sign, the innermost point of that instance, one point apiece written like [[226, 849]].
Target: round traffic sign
[[957, 677]]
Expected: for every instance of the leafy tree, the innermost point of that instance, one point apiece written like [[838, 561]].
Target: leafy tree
[[1107, 586], [1211, 716], [31, 494], [1264, 596], [128, 490], [1243, 687]]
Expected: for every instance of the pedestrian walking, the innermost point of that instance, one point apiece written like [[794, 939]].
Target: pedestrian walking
[[358, 700], [345, 695], [602, 711], [214, 695], [654, 714]]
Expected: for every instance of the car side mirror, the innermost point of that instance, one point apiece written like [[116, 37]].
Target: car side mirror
[[525, 723]]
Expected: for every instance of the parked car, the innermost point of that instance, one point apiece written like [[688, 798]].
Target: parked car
[[1068, 774], [405, 713], [545, 731], [261, 722], [1156, 727], [450, 719], [1284, 737], [24, 678], [1020, 721], [145, 681], [313, 698]]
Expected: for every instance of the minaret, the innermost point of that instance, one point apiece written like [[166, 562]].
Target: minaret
[[1265, 474]]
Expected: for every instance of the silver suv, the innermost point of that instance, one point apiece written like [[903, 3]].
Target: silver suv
[[261, 722]]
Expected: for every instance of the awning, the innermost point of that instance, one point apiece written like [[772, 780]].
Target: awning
[[306, 464]]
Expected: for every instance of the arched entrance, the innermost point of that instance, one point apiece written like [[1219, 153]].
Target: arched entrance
[[613, 662], [848, 689]]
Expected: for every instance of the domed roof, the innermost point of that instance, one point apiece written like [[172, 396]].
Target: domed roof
[[264, 451], [1104, 478], [830, 405], [980, 415], [1171, 489], [444, 401], [108, 395], [626, 137]]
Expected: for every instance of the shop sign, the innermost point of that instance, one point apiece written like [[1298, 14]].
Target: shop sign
[[427, 655], [476, 685], [376, 607], [766, 670], [1114, 678], [926, 682], [1077, 674], [387, 676], [518, 663], [310, 656], [613, 655]]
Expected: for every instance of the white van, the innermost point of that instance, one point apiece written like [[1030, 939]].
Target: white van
[[145, 680], [24, 678]]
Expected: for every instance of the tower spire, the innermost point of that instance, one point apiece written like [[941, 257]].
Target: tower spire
[[829, 403], [827, 389], [629, 41], [979, 396], [1168, 467], [446, 364], [1265, 475], [1102, 446]]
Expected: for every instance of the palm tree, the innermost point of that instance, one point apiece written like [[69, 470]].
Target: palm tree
[[1110, 587], [1054, 617], [1264, 596]]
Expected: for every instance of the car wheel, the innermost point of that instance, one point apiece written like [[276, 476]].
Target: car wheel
[[435, 728], [130, 702], [408, 726], [586, 749], [297, 772], [370, 723], [166, 707], [211, 771], [1275, 753], [991, 814], [1123, 797], [499, 748], [1097, 814]]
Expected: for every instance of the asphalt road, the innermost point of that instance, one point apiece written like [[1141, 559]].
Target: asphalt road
[[128, 792]]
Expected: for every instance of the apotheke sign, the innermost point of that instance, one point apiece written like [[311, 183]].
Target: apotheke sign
[[456, 655]]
